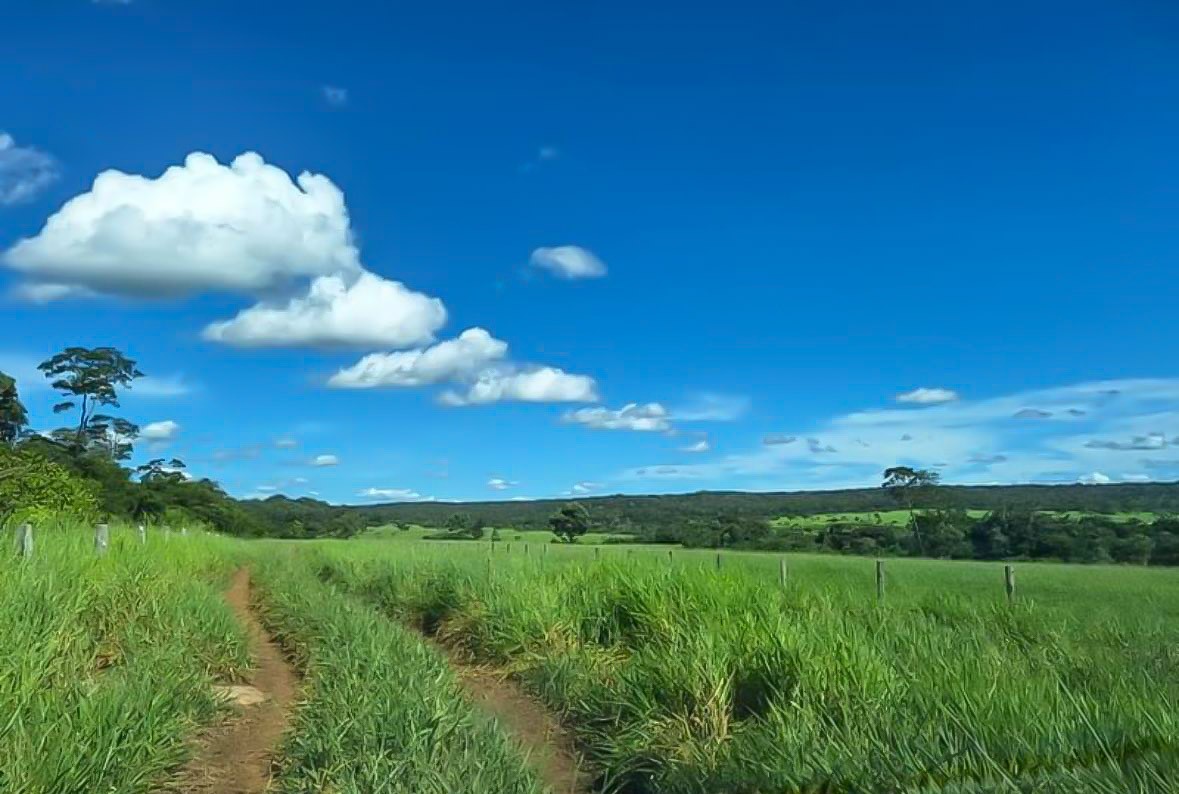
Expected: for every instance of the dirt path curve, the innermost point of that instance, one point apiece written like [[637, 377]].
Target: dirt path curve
[[234, 757], [549, 748]]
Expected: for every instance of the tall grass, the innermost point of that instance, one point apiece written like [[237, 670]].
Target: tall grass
[[680, 679], [382, 712], [106, 663]]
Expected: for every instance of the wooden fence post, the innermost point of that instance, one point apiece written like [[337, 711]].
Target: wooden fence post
[[718, 560], [1009, 582], [597, 552], [880, 580], [781, 572], [102, 539], [142, 535], [24, 540], [669, 558], [184, 530]]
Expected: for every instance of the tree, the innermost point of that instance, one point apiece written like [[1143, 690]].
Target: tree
[[158, 470], [94, 375], [13, 416], [476, 528], [911, 488], [570, 522], [458, 523]]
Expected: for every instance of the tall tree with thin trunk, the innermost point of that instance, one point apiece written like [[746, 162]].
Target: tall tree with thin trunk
[[912, 488], [89, 378]]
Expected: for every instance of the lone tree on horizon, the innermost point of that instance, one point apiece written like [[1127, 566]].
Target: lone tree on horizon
[[912, 488], [570, 522]]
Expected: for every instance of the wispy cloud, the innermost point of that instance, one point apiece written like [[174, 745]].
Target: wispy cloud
[[334, 95], [1082, 429], [928, 396], [393, 495], [161, 386], [545, 154], [712, 407], [25, 172]]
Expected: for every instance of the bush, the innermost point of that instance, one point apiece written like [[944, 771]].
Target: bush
[[34, 489]]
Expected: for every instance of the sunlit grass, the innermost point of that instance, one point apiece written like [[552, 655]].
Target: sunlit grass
[[678, 678], [382, 712], [106, 663]]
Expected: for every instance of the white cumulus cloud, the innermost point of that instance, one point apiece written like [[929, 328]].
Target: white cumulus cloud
[[1094, 478], [365, 311], [500, 484], [451, 360], [542, 385], [700, 446], [165, 430], [928, 396], [585, 487], [650, 417], [324, 460], [569, 261], [24, 172], [242, 227]]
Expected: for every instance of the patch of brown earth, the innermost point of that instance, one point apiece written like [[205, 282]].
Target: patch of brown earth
[[235, 757], [548, 747]]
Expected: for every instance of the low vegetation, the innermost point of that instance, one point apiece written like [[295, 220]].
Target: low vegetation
[[106, 663], [678, 679], [381, 712]]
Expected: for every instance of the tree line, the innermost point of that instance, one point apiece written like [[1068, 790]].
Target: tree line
[[79, 470]]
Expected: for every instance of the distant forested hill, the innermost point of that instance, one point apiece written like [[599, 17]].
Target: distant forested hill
[[650, 511]]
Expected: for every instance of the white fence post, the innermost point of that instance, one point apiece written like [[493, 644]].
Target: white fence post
[[102, 539], [24, 540], [142, 535]]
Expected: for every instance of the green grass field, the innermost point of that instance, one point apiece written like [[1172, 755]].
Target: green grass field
[[678, 678], [672, 675]]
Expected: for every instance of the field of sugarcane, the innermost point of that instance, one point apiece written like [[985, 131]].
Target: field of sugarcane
[[679, 672]]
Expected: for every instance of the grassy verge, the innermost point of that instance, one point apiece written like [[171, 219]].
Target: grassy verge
[[106, 664], [680, 680], [382, 712]]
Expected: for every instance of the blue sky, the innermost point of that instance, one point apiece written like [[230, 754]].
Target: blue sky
[[543, 250]]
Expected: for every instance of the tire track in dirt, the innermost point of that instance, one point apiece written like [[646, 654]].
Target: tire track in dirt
[[548, 747], [235, 757]]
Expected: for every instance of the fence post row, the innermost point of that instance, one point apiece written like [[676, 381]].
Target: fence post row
[[24, 540], [102, 539]]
